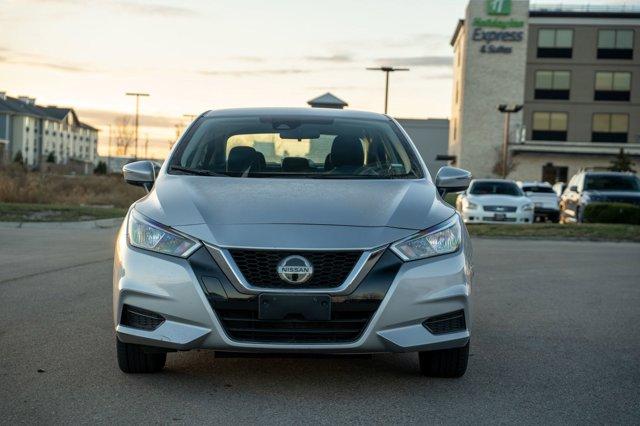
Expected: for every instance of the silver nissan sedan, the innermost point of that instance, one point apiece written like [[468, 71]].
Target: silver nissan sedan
[[284, 230]]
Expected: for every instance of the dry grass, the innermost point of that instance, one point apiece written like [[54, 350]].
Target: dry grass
[[18, 186]]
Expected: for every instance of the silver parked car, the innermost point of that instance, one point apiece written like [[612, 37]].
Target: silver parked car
[[293, 231], [546, 205]]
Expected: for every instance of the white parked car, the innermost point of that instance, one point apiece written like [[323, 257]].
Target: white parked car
[[546, 206], [494, 201]]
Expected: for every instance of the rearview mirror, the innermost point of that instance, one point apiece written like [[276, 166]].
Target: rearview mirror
[[452, 179], [140, 173]]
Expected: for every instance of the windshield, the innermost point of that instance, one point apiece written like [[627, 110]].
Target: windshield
[[296, 146], [538, 189], [611, 183], [495, 188]]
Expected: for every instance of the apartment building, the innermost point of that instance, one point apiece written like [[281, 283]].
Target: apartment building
[[574, 69], [45, 134]]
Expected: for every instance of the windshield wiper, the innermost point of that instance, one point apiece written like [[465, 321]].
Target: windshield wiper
[[197, 172]]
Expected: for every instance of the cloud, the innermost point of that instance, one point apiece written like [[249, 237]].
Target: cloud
[[104, 117], [340, 58], [439, 76], [336, 88], [249, 73], [154, 8], [32, 60], [249, 58], [140, 7], [418, 61]]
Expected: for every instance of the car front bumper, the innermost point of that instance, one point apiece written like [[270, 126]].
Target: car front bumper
[[549, 213], [172, 288], [481, 216]]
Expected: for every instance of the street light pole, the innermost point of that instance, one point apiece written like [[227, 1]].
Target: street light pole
[[386, 70], [137, 95], [507, 110], [109, 152]]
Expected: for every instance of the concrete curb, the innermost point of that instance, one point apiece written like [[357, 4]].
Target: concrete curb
[[89, 224]]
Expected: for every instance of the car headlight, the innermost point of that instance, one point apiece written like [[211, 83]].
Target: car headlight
[[442, 239], [527, 207], [148, 234], [470, 205]]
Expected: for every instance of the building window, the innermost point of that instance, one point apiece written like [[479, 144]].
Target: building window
[[615, 44], [552, 84], [612, 86], [610, 128], [555, 43], [549, 126]]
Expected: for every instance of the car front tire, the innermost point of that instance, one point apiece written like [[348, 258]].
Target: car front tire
[[134, 359], [445, 362]]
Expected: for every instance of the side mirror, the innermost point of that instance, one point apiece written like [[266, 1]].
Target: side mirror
[[573, 188], [452, 179], [140, 173]]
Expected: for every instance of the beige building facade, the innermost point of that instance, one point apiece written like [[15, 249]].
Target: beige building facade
[[41, 134], [580, 90]]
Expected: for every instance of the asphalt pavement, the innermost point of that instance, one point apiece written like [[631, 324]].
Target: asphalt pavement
[[556, 339]]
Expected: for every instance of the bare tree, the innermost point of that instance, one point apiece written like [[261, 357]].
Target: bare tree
[[498, 169], [124, 134]]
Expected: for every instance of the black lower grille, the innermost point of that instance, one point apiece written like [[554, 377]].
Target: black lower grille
[[493, 219], [140, 318], [346, 325], [447, 323], [330, 268], [238, 311]]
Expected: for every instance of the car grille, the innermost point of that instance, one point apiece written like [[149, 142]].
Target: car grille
[[447, 323], [346, 324], [330, 268], [500, 209], [493, 219]]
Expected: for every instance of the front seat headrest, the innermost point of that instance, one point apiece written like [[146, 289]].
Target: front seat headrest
[[347, 150], [262, 161], [241, 158], [295, 164], [328, 165]]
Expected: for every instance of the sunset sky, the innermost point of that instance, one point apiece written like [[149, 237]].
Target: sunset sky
[[197, 55]]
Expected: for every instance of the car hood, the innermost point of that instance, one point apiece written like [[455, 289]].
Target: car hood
[[615, 194], [543, 197], [498, 200], [262, 212]]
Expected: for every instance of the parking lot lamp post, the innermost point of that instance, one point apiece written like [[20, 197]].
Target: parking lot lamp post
[[387, 70], [137, 95], [507, 110]]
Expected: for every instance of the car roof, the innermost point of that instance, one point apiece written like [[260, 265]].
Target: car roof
[[609, 173], [297, 112], [493, 180], [535, 183]]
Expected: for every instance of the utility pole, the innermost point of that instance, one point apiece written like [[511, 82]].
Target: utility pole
[[146, 145], [507, 110], [137, 95], [386, 70], [109, 152]]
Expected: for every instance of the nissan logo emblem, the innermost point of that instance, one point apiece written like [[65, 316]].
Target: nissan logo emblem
[[295, 269]]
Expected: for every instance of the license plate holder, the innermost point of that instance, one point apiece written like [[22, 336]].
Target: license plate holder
[[499, 217], [315, 307]]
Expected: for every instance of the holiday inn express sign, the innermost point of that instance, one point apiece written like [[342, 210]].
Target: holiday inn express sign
[[508, 30]]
